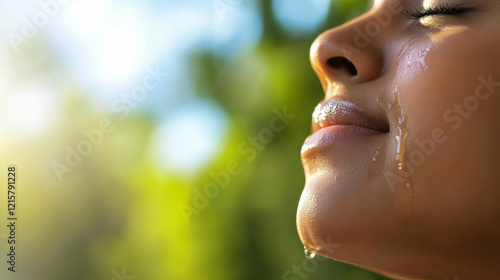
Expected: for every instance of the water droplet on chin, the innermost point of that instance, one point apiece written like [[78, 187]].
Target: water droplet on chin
[[309, 254]]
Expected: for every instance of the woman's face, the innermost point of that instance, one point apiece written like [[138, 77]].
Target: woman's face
[[403, 167]]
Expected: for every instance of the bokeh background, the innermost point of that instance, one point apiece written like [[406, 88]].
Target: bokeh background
[[129, 208]]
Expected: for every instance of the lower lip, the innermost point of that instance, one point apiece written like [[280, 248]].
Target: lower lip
[[334, 135]]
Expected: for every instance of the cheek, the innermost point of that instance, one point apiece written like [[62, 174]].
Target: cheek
[[455, 174]]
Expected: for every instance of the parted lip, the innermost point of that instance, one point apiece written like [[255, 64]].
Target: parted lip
[[339, 112]]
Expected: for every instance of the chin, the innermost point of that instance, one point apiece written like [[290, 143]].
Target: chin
[[349, 213], [336, 222]]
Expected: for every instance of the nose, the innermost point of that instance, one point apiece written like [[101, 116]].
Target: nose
[[351, 53]]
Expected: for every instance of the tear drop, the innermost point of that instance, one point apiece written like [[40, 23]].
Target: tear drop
[[309, 254]]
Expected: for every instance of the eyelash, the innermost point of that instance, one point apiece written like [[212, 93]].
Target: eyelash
[[446, 9]]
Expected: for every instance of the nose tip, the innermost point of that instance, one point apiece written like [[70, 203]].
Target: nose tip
[[337, 55]]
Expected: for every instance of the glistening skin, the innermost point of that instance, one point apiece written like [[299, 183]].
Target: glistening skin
[[431, 75]]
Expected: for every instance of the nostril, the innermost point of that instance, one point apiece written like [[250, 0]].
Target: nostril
[[342, 62]]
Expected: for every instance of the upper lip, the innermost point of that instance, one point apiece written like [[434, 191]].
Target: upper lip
[[339, 112]]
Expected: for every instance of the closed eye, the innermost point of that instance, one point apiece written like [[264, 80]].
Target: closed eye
[[446, 9]]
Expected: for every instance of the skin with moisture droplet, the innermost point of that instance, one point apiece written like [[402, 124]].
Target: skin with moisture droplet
[[401, 149], [410, 222], [378, 163], [401, 139], [309, 254]]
